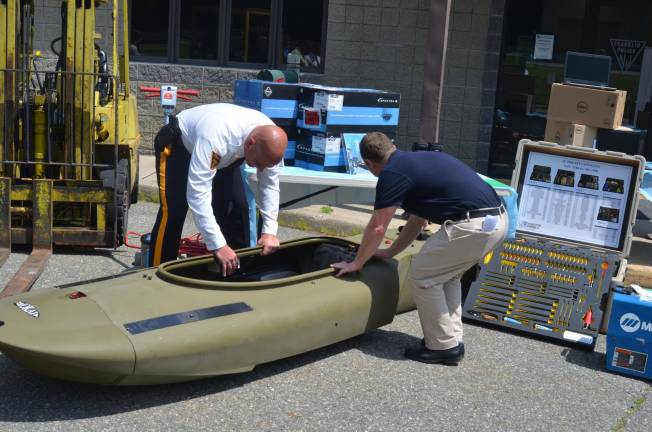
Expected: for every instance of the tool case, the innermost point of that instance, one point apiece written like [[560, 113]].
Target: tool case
[[577, 207]]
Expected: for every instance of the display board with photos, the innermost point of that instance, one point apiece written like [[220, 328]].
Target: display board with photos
[[575, 197]]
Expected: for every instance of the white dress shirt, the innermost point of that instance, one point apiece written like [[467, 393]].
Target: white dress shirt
[[220, 130]]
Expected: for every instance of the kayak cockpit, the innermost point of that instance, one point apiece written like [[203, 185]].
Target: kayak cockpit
[[294, 261]]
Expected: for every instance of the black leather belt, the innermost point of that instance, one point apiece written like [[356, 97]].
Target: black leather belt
[[472, 214]]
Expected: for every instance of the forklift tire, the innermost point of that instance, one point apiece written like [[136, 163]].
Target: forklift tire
[[122, 200]]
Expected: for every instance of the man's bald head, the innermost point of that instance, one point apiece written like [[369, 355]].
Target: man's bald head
[[265, 146]]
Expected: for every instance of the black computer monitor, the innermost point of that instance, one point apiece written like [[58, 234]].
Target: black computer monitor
[[587, 69]]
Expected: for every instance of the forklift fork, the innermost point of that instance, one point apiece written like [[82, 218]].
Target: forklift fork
[[35, 263]]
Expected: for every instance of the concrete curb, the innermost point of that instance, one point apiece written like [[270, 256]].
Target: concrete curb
[[296, 219], [148, 193], [308, 222]]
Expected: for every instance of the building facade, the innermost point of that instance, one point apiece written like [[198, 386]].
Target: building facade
[[364, 43], [495, 88]]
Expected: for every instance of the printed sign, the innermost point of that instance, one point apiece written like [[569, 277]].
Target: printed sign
[[168, 96], [626, 51], [543, 46], [328, 101]]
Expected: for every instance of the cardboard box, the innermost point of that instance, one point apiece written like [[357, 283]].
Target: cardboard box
[[288, 157], [278, 101], [319, 152], [586, 105], [629, 336], [564, 133], [323, 108]]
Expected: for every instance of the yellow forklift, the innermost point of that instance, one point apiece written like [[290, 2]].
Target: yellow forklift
[[68, 134]]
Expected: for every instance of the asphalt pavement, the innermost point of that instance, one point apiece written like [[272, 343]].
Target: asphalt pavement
[[506, 382]]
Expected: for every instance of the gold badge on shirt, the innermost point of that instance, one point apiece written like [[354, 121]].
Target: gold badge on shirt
[[215, 161]]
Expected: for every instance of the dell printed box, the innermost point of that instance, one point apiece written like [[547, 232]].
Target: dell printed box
[[629, 337], [324, 114], [278, 101], [586, 105]]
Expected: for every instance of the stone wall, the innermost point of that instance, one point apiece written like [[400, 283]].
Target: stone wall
[[213, 84], [380, 44]]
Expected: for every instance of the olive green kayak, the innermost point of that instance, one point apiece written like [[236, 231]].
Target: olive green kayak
[[184, 321]]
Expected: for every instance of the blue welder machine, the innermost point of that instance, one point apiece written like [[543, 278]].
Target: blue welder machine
[[629, 337]]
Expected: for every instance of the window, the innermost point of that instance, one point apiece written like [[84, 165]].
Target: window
[[301, 32], [198, 29], [524, 82], [247, 33], [149, 28]]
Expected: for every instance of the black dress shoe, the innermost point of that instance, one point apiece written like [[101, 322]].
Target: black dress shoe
[[451, 356], [460, 344]]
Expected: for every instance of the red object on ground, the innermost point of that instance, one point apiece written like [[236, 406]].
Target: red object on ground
[[192, 246]]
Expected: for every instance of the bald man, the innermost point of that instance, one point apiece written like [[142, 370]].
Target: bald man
[[198, 158]]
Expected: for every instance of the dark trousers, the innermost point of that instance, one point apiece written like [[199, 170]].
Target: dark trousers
[[230, 206], [229, 199]]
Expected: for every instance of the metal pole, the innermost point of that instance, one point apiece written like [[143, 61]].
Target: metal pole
[[433, 80]]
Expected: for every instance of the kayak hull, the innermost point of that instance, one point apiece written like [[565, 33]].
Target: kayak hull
[[181, 321]]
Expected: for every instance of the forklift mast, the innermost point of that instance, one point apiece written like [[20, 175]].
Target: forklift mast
[[69, 135]]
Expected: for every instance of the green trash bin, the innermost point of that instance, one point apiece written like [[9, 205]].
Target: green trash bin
[[277, 75]]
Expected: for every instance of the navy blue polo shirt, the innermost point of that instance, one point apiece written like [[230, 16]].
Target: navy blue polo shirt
[[432, 185]]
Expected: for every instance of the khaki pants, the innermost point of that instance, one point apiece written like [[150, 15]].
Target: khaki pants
[[435, 276]]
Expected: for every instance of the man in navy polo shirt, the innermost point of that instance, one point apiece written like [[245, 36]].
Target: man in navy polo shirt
[[431, 187]]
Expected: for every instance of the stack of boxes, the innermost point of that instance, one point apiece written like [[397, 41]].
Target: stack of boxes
[[318, 116], [575, 113], [326, 113], [278, 101]]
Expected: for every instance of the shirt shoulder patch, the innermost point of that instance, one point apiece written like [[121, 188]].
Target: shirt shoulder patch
[[215, 161]]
